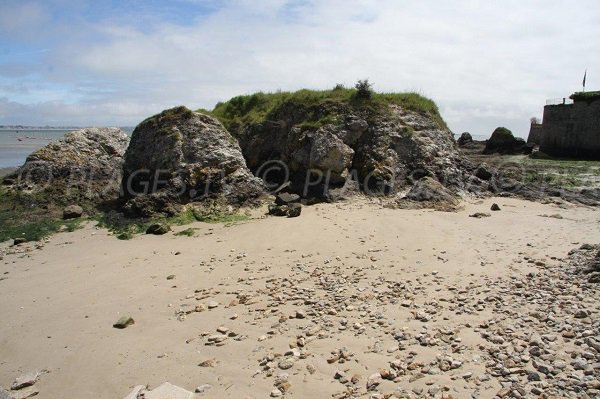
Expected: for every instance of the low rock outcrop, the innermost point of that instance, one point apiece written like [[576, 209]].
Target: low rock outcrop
[[83, 167], [180, 156], [333, 147], [465, 138], [502, 141]]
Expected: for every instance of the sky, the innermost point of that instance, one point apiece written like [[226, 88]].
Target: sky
[[114, 63]]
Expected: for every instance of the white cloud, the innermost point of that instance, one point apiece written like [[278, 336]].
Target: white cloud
[[485, 63]]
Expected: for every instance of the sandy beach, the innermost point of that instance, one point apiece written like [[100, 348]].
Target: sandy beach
[[348, 277]]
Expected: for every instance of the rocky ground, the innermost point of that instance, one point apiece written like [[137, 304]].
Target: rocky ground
[[348, 300]]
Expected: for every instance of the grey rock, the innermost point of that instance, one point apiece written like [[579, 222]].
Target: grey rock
[[179, 156], [383, 155], [502, 141], [83, 167], [294, 210], [433, 192], [286, 198], [72, 212], [483, 172], [465, 138], [26, 380]]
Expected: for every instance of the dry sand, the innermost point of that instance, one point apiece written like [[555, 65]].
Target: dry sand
[[340, 264]]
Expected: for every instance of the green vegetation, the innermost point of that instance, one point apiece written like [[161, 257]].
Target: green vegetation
[[585, 96], [187, 232], [21, 218], [364, 89], [169, 115], [126, 229], [316, 107], [217, 216], [546, 171], [33, 231]]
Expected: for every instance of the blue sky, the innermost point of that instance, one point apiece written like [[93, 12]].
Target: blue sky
[[487, 64]]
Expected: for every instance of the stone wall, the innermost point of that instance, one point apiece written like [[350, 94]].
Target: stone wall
[[535, 134], [572, 130]]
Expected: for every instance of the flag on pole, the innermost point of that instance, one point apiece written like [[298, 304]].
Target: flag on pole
[[584, 76]]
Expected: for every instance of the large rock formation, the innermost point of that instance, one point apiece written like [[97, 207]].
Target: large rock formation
[[180, 156], [379, 152], [82, 167]]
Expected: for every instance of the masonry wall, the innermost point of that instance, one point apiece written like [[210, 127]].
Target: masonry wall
[[535, 134], [571, 130]]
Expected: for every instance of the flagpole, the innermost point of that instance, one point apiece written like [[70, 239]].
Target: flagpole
[[584, 76]]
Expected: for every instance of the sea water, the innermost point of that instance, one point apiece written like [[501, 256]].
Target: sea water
[[16, 145]]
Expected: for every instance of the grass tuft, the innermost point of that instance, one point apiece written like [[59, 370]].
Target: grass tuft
[[260, 107]]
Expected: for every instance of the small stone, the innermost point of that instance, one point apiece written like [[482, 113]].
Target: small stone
[[208, 363], [579, 364], [200, 307], [300, 314], [479, 215], [533, 376], [158, 229], [286, 198], [19, 241], [203, 388], [26, 380], [373, 381], [294, 210], [72, 212], [495, 207], [213, 304], [276, 393], [286, 364], [124, 322]]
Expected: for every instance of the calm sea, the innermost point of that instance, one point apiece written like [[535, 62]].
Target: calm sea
[[16, 145]]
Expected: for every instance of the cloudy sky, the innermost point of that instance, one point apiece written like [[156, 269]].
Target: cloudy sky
[[486, 63]]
